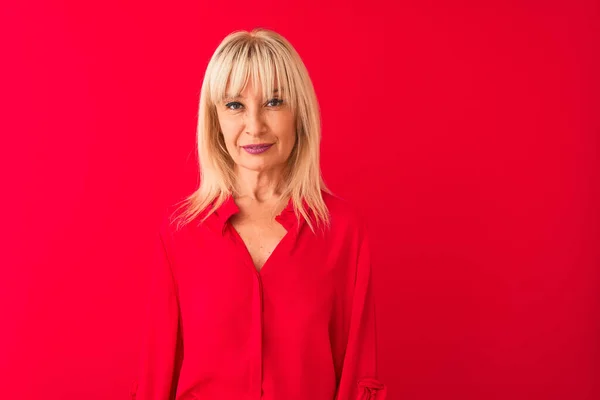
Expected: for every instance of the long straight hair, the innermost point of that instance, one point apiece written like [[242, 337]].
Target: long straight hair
[[270, 59]]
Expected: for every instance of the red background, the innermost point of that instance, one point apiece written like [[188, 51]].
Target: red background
[[467, 132]]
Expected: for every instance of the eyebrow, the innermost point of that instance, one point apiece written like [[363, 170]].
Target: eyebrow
[[239, 96]]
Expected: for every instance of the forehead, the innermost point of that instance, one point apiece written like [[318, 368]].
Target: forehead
[[251, 90], [249, 93]]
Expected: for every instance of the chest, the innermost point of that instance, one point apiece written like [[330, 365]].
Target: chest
[[261, 234]]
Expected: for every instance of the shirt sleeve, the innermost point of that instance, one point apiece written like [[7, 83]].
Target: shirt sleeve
[[161, 349], [359, 380]]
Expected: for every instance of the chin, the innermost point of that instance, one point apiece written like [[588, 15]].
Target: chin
[[255, 166]]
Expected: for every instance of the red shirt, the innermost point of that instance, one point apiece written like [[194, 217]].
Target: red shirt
[[303, 327]]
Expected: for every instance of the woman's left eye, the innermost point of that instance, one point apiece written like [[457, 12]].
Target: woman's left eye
[[275, 101]]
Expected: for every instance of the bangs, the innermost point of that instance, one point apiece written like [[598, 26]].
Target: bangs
[[242, 60]]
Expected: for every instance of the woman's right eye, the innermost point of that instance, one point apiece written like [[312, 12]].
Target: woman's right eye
[[233, 103]]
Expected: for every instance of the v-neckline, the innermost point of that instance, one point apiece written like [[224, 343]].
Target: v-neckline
[[248, 256]]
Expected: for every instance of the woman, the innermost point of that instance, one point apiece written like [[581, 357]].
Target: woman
[[263, 285]]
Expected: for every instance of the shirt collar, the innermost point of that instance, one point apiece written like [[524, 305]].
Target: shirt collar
[[287, 217]]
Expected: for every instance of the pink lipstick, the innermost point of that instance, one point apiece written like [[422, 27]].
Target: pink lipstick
[[257, 148]]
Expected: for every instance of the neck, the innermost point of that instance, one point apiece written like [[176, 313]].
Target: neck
[[258, 185]]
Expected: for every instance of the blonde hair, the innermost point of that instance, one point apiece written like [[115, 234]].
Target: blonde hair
[[267, 57]]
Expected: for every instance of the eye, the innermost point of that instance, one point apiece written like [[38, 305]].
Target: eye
[[233, 103], [276, 102]]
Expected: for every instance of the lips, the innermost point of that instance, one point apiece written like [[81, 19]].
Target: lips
[[258, 146]]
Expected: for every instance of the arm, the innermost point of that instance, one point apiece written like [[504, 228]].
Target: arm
[[359, 372], [161, 350]]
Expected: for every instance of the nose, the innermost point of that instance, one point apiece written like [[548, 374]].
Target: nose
[[254, 123]]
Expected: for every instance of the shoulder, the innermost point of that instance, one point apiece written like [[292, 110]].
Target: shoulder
[[344, 213], [168, 227], [181, 234], [176, 242]]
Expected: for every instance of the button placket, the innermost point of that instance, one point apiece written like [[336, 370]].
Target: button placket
[[260, 333]]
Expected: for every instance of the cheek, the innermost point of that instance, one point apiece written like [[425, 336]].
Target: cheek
[[231, 143], [292, 133], [228, 126], [230, 133], [228, 123], [289, 141], [287, 131]]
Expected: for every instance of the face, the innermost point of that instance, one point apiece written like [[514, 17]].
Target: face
[[259, 133]]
